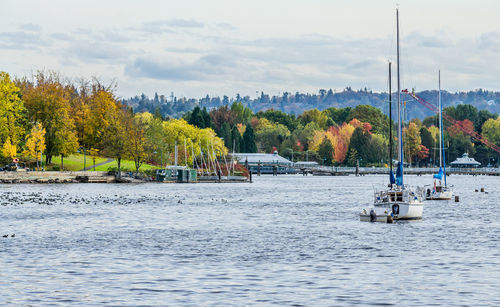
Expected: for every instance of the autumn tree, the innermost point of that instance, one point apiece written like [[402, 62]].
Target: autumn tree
[[136, 139], [491, 130], [47, 102], [12, 113], [9, 150], [115, 136], [35, 143], [412, 142]]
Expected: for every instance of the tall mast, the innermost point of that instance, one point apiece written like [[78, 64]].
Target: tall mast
[[441, 141], [440, 123], [390, 117], [400, 132]]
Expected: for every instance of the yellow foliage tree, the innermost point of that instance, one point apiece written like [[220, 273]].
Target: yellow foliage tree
[[197, 140], [35, 143], [9, 150], [12, 111], [47, 100]]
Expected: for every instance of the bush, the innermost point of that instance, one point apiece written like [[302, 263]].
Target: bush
[[114, 169]]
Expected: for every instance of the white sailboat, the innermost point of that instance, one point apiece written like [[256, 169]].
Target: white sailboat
[[438, 190], [399, 201]]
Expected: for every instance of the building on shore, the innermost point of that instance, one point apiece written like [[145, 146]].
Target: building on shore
[[265, 163], [465, 162]]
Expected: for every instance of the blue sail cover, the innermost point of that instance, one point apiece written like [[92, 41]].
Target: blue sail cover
[[392, 179], [399, 174], [439, 175]]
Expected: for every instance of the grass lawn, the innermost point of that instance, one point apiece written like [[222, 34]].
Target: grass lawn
[[125, 165], [75, 162]]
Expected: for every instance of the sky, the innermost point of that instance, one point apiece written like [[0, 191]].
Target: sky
[[222, 47]]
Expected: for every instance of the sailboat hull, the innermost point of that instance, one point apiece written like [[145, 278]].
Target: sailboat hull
[[405, 211], [441, 193]]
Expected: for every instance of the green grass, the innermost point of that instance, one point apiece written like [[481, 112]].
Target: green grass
[[125, 165], [75, 162]]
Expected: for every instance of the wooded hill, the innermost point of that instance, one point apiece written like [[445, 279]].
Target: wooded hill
[[299, 102]]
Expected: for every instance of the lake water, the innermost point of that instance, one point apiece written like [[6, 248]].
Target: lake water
[[286, 240]]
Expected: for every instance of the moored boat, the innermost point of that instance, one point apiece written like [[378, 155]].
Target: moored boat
[[400, 201], [440, 191]]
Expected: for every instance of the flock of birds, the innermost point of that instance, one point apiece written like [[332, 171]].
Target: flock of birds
[[10, 198]]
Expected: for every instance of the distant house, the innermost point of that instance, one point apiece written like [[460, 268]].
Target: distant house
[[465, 162]]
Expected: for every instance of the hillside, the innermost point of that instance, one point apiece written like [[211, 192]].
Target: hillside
[[299, 102]]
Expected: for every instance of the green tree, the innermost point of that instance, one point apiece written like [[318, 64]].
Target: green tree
[[412, 142], [372, 115], [243, 114], [491, 130], [225, 133], [427, 140], [272, 135], [483, 116], [236, 139], [249, 140], [326, 151], [360, 141], [315, 116], [353, 156], [280, 117], [116, 137], [304, 135], [338, 115]]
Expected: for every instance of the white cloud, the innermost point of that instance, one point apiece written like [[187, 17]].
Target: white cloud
[[268, 50]]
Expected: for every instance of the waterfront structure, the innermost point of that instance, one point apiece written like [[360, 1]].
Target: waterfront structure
[[465, 162], [263, 163]]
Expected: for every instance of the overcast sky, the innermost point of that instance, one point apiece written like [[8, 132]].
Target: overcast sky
[[224, 47]]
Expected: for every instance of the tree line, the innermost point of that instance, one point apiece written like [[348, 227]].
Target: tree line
[[296, 103], [46, 115], [347, 136]]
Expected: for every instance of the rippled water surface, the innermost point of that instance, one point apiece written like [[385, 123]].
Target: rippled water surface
[[287, 240]]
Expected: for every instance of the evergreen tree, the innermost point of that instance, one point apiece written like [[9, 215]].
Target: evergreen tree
[[206, 118], [196, 118], [249, 140], [360, 141], [235, 139], [326, 151], [225, 133]]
